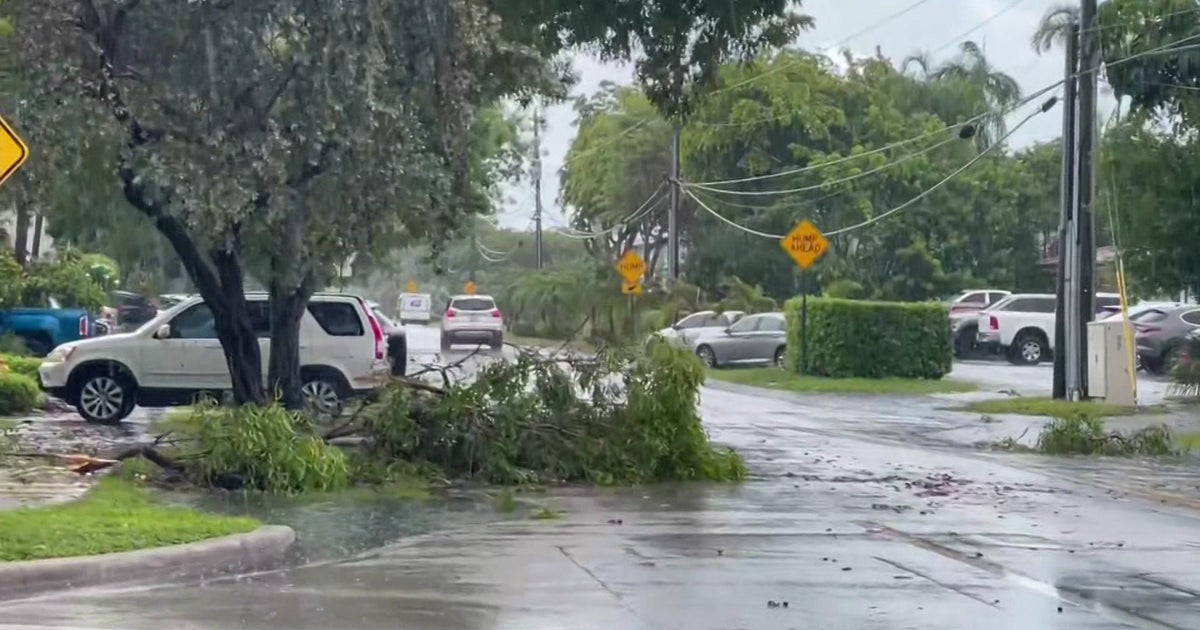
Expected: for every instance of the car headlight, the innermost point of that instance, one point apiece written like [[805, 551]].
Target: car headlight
[[60, 354]]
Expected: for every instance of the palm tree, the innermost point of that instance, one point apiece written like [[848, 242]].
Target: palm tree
[[1055, 27], [1000, 90]]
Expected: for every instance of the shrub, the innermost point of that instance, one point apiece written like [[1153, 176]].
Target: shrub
[[25, 366], [1185, 376], [262, 448], [845, 290], [1082, 434], [18, 394], [851, 338], [13, 345], [530, 421]]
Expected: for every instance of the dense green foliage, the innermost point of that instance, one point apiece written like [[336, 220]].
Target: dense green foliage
[[71, 278], [23, 365], [262, 448], [853, 338], [114, 516], [18, 393], [531, 421], [1086, 435]]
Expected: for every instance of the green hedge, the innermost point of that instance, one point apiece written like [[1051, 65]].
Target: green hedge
[[18, 394], [855, 338]]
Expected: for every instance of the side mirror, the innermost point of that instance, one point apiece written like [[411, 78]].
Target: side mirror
[[163, 332], [728, 329], [674, 326]]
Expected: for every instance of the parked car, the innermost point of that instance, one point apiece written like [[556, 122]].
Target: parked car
[[176, 357], [760, 338], [133, 310], [964, 310], [1021, 326], [472, 318], [681, 332], [42, 329], [1160, 334], [397, 340]]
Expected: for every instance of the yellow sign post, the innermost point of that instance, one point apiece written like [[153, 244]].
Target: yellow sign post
[[631, 267], [470, 288], [804, 244], [411, 287], [13, 151]]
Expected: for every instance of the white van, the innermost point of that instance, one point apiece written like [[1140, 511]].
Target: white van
[[414, 308]]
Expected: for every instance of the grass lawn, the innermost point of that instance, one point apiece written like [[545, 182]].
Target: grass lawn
[[575, 344], [775, 378], [114, 516], [1052, 408]]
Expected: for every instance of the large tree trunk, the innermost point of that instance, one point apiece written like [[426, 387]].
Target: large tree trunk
[[221, 286], [21, 238], [38, 224], [283, 369]]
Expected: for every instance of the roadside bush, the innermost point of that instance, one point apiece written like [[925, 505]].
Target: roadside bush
[[852, 338], [18, 394], [25, 366], [261, 448], [844, 290], [1085, 435], [618, 420]]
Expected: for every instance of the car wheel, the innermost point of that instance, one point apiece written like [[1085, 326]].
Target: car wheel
[[1028, 349], [445, 342], [322, 395], [104, 398], [707, 356], [1166, 364], [964, 342], [38, 345], [498, 341], [780, 357]]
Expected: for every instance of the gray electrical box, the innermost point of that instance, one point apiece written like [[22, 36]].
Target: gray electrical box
[[1109, 376]]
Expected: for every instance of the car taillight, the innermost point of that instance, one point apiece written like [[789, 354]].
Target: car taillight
[[85, 327], [496, 312], [451, 312], [376, 330], [993, 323]]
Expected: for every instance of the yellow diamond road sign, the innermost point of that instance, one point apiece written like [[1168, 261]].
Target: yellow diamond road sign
[[13, 151], [805, 244], [631, 267], [631, 288]]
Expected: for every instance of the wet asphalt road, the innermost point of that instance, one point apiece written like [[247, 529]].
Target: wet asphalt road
[[860, 513]]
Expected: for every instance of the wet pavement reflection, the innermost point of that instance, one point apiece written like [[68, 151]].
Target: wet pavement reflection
[[860, 513]]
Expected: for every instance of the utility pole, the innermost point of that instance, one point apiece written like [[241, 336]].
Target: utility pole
[[537, 184], [1067, 187], [473, 255], [673, 212], [1085, 187]]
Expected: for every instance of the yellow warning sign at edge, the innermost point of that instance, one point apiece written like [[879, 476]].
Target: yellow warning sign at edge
[[13, 151]]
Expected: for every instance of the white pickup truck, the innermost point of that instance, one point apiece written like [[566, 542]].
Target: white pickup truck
[[1021, 326]]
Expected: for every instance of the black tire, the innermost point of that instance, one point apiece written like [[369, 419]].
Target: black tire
[[445, 342], [1029, 348], [1167, 362], [105, 397], [37, 344], [964, 342], [323, 392], [780, 357], [707, 356], [498, 341]]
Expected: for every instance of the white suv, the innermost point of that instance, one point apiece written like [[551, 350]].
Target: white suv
[[472, 319], [176, 356]]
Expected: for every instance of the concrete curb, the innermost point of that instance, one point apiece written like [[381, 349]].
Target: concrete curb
[[262, 549]]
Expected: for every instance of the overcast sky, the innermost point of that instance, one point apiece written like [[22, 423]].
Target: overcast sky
[[1002, 27]]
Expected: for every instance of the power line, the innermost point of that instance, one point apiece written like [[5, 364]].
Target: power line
[[978, 26], [580, 235], [925, 193], [839, 43], [842, 180]]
